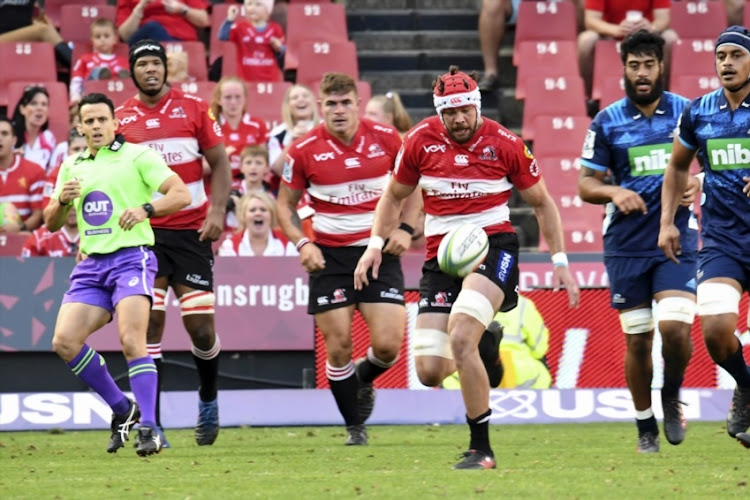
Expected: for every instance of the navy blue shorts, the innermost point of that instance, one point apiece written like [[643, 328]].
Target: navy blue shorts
[[635, 280], [713, 263]]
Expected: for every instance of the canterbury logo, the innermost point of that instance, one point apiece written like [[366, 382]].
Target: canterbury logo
[[456, 100]]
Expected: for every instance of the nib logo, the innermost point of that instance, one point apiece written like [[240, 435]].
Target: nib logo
[[728, 154], [649, 160]]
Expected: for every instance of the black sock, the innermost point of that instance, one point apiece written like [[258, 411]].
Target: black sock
[[345, 393], [208, 374], [672, 384], [647, 425], [479, 429], [735, 365], [64, 54], [159, 362]]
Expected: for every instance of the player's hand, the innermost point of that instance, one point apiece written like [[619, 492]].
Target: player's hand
[[132, 216], [275, 43], [398, 242], [628, 201], [693, 188], [232, 12], [70, 191], [213, 225], [562, 277], [230, 150], [371, 259], [80, 256], [173, 6], [311, 257], [746, 189], [669, 242]]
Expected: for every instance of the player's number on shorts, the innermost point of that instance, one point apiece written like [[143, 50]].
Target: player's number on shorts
[[312, 10], [87, 11], [321, 48], [265, 88], [546, 7]]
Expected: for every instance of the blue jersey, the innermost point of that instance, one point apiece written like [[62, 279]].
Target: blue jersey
[[636, 150], [722, 138]]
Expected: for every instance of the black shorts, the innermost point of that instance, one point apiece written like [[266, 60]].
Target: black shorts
[[184, 259], [333, 287], [438, 291]]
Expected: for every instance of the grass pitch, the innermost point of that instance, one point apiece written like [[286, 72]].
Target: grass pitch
[[401, 462]]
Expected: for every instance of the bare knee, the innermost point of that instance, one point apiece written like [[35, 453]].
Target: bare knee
[[495, 8], [201, 330], [66, 346], [586, 42], [431, 370], [155, 330], [639, 345]]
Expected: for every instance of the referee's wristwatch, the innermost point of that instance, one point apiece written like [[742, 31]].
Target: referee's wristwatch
[[149, 208]]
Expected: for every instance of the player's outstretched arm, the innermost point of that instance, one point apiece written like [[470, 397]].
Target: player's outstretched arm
[[550, 225], [672, 190], [593, 189]]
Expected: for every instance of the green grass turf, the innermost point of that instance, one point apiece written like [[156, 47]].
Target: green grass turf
[[534, 461]]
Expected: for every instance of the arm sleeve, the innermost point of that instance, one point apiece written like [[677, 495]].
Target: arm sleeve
[[595, 153], [62, 178], [225, 30], [406, 165], [523, 170], [686, 130], [208, 130], [294, 171], [124, 9]]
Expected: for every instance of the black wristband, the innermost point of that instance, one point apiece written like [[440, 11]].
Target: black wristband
[[149, 208], [406, 227], [64, 204]]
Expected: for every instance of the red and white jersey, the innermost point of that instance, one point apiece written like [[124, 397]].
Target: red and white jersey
[[256, 60], [179, 127], [22, 184], [248, 133], [43, 243], [49, 186], [465, 183], [344, 182], [40, 152], [239, 245]]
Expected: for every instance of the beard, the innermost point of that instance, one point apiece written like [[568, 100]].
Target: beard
[[150, 93], [644, 99]]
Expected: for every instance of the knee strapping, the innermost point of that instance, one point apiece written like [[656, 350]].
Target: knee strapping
[[637, 321], [160, 300], [717, 298], [431, 342], [197, 302], [474, 304], [679, 309]]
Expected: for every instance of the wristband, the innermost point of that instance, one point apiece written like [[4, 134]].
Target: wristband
[[301, 243], [406, 227], [560, 259], [63, 204], [149, 209], [376, 242]]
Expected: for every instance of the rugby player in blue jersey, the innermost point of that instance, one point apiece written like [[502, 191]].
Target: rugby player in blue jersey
[[632, 140], [716, 128]]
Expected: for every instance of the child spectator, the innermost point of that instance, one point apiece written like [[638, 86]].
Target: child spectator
[[61, 243], [388, 108], [259, 41], [102, 63], [254, 168], [257, 233], [31, 119], [240, 129]]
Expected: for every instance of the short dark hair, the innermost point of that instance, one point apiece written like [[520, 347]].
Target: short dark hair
[[4, 118], [642, 42], [96, 98]]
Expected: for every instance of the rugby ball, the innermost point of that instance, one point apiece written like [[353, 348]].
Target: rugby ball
[[462, 250]]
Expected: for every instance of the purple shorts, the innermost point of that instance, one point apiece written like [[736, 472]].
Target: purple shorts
[[104, 280]]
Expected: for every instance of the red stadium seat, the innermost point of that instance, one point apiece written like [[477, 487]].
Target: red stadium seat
[[196, 53], [607, 64], [704, 19], [557, 97], [545, 58], [265, 99], [309, 1], [218, 16], [59, 120], [578, 238], [76, 19], [12, 243], [315, 59], [117, 90], [559, 136], [694, 86], [612, 89], [204, 90], [560, 170], [312, 22], [544, 21], [53, 8], [24, 62], [692, 57]]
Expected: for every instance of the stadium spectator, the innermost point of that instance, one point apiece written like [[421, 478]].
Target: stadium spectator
[[493, 17], [387, 108], [454, 313], [259, 41], [254, 170], [713, 128], [639, 273], [75, 144], [183, 130], [300, 115], [118, 273], [615, 19], [102, 63], [240, 129], [523, 349], [62, 243], [345, 162], [257, 233], [20, 22], [21, 183], [161, 20], [735, 11], [31, 119]]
